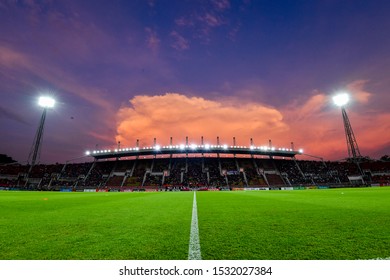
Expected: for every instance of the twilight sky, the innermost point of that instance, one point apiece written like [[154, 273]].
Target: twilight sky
[[126, 70]]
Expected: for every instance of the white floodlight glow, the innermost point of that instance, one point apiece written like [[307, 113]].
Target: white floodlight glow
[[193, 146], [207, 146], [300, 151], [182, 146], [341, 99], [157, 147], [87, 153], [46, 102], [225, 147]]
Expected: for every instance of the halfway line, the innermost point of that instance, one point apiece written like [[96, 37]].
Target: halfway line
[[194, 247]]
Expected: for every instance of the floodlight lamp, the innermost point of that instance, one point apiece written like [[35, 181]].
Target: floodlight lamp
[[341, 99], [157, 147], [300, 151], [46, 102], [207, 146], [193, 146], [87, 153], [225, 147], [182, 147]]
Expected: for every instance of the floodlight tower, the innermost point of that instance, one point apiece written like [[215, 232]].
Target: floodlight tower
[[341, 100], [44, 102]]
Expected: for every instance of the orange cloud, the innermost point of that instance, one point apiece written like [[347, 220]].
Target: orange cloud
[[179, 116], [356, 88]]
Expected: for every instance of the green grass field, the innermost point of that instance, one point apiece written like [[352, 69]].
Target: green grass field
[[282, 225]]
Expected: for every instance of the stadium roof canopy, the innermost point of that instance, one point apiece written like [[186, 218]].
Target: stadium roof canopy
[[193, 149]]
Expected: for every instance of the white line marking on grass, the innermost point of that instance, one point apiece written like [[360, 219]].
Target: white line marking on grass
[[380, 259], [194, 247]]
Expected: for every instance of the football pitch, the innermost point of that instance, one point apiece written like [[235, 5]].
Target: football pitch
[[332, 224]]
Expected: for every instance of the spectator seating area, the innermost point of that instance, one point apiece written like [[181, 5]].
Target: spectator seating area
[[192, 172]]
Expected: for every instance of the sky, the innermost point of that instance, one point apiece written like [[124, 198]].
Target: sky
[[126, 70]]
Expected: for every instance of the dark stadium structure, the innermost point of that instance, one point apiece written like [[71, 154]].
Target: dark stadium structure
[[200, 167], [194, 149]]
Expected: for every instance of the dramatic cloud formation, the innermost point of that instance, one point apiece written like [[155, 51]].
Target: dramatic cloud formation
[[316, 125], [179, 116]]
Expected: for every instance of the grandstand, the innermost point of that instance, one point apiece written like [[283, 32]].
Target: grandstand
[[200, 167]]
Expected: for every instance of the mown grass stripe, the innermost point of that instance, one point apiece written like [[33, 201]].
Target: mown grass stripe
[[194, 247]]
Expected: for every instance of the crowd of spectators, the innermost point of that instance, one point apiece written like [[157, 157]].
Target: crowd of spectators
[[187, 173]]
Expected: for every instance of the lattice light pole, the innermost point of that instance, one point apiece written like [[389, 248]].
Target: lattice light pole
[[341, 100], [45, 103]]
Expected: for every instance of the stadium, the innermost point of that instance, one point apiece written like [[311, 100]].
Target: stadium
[[194, 138], [250, 203], [195, 201]]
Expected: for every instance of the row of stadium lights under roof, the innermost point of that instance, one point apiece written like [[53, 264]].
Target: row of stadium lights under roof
[[193, 147]]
